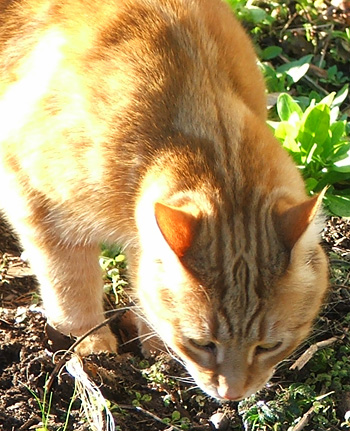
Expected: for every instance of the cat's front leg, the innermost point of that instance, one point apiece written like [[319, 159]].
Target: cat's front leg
[[71, 288]]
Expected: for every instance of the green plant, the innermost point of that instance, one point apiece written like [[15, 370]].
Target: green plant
[[157, 376], [335, 77], [343, 39], [45, 408], [316, 137], [282, 78], [260, 415], [255, 16], [177, 420], [287, 409], [140, 399], [330, 369], [113, 264], [45, 404]]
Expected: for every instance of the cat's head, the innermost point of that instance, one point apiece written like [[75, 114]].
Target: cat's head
[[232, 298]]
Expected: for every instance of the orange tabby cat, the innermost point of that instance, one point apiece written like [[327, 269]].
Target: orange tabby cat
[[143, 122]]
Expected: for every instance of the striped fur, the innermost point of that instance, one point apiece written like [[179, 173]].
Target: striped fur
[[143, 122]]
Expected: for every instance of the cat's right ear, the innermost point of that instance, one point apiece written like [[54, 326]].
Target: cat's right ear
[[297, 220], [177, 227]]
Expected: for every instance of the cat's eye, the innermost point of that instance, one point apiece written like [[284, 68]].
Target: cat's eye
[[267, 347], [207, 346]]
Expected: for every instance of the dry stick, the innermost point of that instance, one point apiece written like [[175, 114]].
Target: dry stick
[[288, 23], [61, 362], [306, 416], [309, 353], [150, 414], [325, 47], [304, 420]]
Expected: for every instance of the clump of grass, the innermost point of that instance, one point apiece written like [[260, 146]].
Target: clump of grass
[[44, 403]]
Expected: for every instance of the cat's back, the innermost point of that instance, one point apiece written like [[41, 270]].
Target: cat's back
[[91, 90], [145, 32]]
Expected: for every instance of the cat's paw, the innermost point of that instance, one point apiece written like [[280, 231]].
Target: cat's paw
[[152, 345], [100, 341]]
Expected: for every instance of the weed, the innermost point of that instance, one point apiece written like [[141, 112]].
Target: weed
[[45, 404], [140, 399], [316, 137], [179, 421], [113, 264]]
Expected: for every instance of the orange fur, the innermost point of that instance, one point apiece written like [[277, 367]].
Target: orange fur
[[143, 122]]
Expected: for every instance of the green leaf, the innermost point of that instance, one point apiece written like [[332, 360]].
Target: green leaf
[[296, 69], [342, 169], [314, 129], [311, 184], [257, 14], [332, 177], [337, 131], [341, 154], [286, 107], [120, 258], [285, 130], [328, 100], [176, 415], [339, 205], [341, 95], [271, 52]]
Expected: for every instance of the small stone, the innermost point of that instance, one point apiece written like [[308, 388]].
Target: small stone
[[220, 421]]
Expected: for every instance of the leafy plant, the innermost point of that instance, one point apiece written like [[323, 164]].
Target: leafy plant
[[113, 264], [316, 137], [140, 399], [281, 78], [157, 376], [250, 13], [287, 409], [176, 419], [330, 369]]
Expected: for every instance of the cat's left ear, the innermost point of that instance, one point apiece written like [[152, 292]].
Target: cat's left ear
[[177, 227], [299, 219]]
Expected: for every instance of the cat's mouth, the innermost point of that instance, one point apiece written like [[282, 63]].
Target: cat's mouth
[[223, 388], [226, 394]]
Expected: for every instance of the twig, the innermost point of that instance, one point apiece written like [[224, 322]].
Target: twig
[[309, 353], [306, 416], [61, 362], [288, 23], [150, 414], [304, 420], [325, 47], [157, 418]]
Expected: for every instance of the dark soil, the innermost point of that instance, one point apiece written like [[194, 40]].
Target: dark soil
[[137, 403]]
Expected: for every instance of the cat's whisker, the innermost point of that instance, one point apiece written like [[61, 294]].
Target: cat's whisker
[[187, 380], [196, 387], [204, 290], [176, 358], [141, 338]]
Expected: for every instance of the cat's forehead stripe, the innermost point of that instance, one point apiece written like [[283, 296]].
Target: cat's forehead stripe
[[246, 251]]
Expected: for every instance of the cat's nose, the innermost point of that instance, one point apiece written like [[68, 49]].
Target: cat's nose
[[228, 393]]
